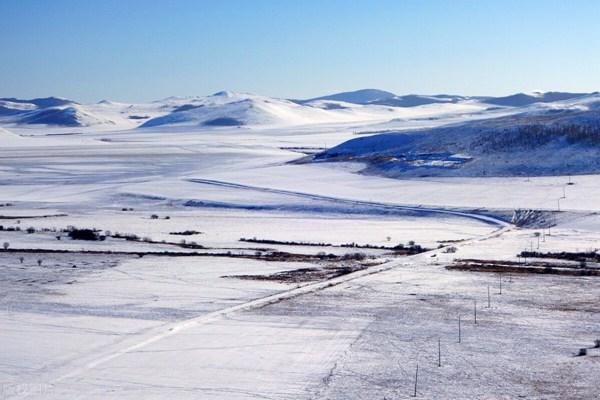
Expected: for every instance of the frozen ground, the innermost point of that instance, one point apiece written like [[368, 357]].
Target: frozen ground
[[119, 325]]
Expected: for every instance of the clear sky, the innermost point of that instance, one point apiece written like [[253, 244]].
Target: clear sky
[[134, 50]]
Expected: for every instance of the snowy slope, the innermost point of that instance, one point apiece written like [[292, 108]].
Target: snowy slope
[[543, 141], [524, 99], [414, 100], [8, 138], [381, 97], [228, 108], [241, 109], [363, 96], [50, 111], [35, 103], [55, 112], [73, 115]]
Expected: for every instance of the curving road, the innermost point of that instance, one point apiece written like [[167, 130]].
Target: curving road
[[485, 218]]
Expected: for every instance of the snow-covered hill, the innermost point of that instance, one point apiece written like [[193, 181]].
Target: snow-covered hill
[[525, 99], [58, 112], [542, 141], [13, 107], [243, 109], [414, 100], [234, 109], [73, 115], [381, 97], [363, 96], [51, 111]]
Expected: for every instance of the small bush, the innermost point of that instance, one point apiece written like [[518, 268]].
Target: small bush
[[83, 234], [186, 233], [355, 256]]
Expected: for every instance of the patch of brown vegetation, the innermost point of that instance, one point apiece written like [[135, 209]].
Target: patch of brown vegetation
[[309, 274], [537, 267]]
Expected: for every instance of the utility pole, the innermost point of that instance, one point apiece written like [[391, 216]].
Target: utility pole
[[475, 311], [459, 331], [439, 352], [500, 279], [488, 297], [416, 380]]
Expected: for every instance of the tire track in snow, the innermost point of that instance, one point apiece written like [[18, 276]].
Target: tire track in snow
[[80, 366], [488, 219]]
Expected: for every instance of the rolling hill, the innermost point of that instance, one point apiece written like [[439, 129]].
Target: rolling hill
[[227, 109], [546, 141]]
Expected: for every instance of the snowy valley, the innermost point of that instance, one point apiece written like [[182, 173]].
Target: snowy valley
[[241, 246]]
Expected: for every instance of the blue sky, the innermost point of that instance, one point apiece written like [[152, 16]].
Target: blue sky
[[138, 50]]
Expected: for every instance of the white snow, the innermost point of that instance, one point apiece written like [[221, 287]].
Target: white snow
[[123, 326]]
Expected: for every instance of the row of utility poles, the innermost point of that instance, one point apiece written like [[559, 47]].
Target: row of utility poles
[[439, 357], [539, 236], [564, 195]]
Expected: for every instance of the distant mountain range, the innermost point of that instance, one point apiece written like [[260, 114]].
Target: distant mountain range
[[398, 136], [242, 109], [381, 97]]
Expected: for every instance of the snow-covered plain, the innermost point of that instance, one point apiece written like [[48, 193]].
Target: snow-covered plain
[[86, 323]]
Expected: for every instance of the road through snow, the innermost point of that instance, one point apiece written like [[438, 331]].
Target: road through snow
[[134, 343], [488, 219]]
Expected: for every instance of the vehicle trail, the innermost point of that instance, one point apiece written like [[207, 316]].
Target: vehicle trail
[[80, 366], [424, 210]]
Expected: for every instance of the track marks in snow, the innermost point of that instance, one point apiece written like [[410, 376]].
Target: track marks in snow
[[419, 210]]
